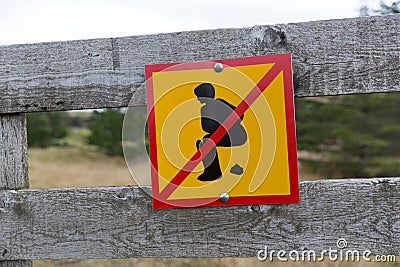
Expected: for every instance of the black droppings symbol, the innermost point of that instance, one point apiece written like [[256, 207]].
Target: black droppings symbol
[[236, 169]]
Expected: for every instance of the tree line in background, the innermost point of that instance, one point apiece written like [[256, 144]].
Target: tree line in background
[[352, 136], [384, 9], [50, 129], [105, 128], [46, 129], [106, 131]]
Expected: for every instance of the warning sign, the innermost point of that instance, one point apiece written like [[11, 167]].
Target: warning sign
[[222, 132]]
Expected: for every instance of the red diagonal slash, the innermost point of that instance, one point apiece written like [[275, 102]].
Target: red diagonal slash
[[221, 131]]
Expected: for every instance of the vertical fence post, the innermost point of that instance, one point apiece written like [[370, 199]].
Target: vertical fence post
[[13, 162]]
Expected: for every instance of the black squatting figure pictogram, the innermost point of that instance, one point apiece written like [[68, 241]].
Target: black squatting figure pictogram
[[213, 114]]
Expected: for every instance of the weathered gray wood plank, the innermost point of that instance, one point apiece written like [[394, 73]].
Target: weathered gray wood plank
[[13, 152], [13, 170], [16, 263], [118, 222], [333, 57]]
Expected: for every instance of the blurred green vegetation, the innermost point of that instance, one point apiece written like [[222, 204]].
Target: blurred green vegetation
[[353, 136], [46, 129], [106, 130], [102, 128], [390, 8], [135, 132]]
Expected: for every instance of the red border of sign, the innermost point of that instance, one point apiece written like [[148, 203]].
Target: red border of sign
[[284, 61]]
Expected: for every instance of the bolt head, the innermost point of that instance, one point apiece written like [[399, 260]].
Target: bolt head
[[218, 67], [255, 208], [224, 197]]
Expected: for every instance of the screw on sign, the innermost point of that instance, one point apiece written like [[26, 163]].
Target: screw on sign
[[222, 132]]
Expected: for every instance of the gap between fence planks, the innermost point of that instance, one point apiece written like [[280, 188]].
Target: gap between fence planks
[[119, 222], [359, 55]]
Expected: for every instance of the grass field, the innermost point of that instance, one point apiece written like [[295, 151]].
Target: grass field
[[75, 164]]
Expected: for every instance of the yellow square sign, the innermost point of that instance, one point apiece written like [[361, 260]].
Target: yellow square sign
[[222, 132]]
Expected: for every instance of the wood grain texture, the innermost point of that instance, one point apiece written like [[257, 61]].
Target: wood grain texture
[[119, 222], [359, 55], [13, 152], [13, 170], [15, 263]]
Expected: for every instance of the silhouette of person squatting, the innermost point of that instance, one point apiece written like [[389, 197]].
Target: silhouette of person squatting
[[213, 114]]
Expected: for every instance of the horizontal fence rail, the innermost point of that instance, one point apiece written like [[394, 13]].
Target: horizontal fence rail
[[119, 222], [332, 57]]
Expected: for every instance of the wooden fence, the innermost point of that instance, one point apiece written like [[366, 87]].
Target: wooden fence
[[333, 57]]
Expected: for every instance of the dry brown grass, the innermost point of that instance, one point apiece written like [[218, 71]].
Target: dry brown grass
[[75, 167], [77, 164]]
